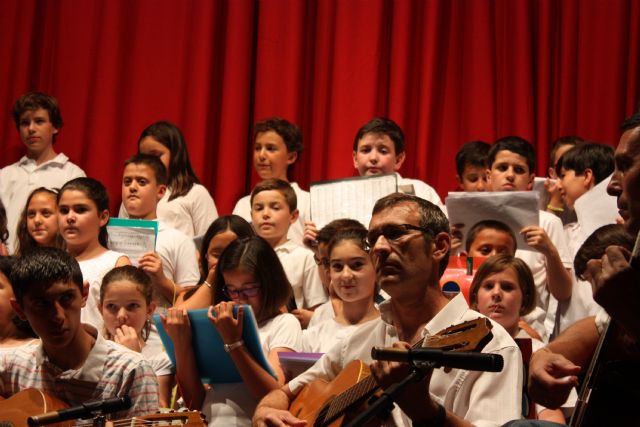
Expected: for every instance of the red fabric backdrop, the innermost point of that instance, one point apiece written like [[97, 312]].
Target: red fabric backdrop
[[446, 71]]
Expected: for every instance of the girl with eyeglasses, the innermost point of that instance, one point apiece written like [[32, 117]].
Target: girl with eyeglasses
[[353, 280], [248, 272]]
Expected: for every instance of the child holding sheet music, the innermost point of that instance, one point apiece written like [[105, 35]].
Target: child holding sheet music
[[353, 279], [220, 233], [126, 305], [38, 225], [503, 290], [186, 205], [172, 266], [248, 272], [277, 146], [83, 213], [511, 164]]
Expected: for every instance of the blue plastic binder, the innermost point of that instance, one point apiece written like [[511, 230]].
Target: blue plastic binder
[[214, 364]]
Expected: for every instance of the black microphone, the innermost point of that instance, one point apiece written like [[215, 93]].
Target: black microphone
[[452, 359], [85, 410]]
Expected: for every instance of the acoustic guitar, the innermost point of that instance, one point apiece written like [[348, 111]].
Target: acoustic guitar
[[330, 404], [15, 411]]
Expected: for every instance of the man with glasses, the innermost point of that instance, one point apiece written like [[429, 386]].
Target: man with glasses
[[409, 240]]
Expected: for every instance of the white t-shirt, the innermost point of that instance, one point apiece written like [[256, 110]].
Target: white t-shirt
[[93, 270], [192, 213], [543, 317], [159, 361], [233, 404], [321, 313], [482, 398], [420, 189], [179, 260], [296, 230], [19, 179], [302, 273]]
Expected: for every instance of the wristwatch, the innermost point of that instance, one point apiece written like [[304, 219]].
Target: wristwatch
[[229, 347]]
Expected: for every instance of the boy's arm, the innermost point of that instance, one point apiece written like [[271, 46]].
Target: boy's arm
[[151, 263], [558, 277]]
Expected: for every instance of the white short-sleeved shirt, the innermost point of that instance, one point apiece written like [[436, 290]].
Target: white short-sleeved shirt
[[110, 370], [192, 213], [93, 270], [323, 312], [233, 404], [302, 273], [482, 398], [543, 317], [19, 179], [324, 335], [159, 360], [179, 261], [296, 231]]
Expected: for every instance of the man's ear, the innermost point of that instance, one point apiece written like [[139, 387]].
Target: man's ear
[[442, 245], [399, 161], [530, 183], [18, 310], [294, 216]]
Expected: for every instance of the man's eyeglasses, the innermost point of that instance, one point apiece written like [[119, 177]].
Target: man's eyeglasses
[[392, 233], [321, 262], [245, 292]]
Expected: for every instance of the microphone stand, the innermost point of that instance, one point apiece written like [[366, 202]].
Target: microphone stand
[[384, 403]]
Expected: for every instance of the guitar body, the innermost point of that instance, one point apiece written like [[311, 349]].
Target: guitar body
[[317, 395], [16, 409]]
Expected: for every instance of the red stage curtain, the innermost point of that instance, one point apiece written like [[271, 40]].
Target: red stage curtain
[[446, 71]]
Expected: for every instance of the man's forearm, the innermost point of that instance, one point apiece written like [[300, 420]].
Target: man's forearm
[[578, 342]]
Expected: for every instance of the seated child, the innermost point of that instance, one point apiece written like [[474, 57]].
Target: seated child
[[579, 170], [38, 224], [126, 304], [72, 361], [248, 272], [511, 164], [13, 331], [353, 280], [278, 144], [471, 166], [503, 290], [83, 214], [186, 205], [378, 148], [220, 233], [173, 267], [273, 210], [38, 120]]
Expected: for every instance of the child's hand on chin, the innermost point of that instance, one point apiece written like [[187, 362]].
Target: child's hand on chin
[[127, 336]]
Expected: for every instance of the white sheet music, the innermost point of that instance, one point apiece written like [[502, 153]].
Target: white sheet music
[[349, 198], [132, 237], [517, 209]]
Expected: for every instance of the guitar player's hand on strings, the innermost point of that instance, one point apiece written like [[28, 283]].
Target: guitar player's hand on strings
[[551, 378], [271, 417], [415, 399]]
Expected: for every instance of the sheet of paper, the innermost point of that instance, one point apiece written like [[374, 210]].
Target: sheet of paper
[[538, 187], [349, 198], [517, 209], [133, 237], [596, 208]]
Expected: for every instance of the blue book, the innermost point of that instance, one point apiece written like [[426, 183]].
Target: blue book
[[214, 364]]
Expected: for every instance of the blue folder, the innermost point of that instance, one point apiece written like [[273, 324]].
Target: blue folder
[[214, 364]]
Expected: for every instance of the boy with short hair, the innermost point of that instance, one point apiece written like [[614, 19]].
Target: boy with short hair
[[511, 164], [173, 266], [490, 237], [38, 120], [378, 148], [71, 361], [277, 146], [273, 211], [471, 166], [555, 205]]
